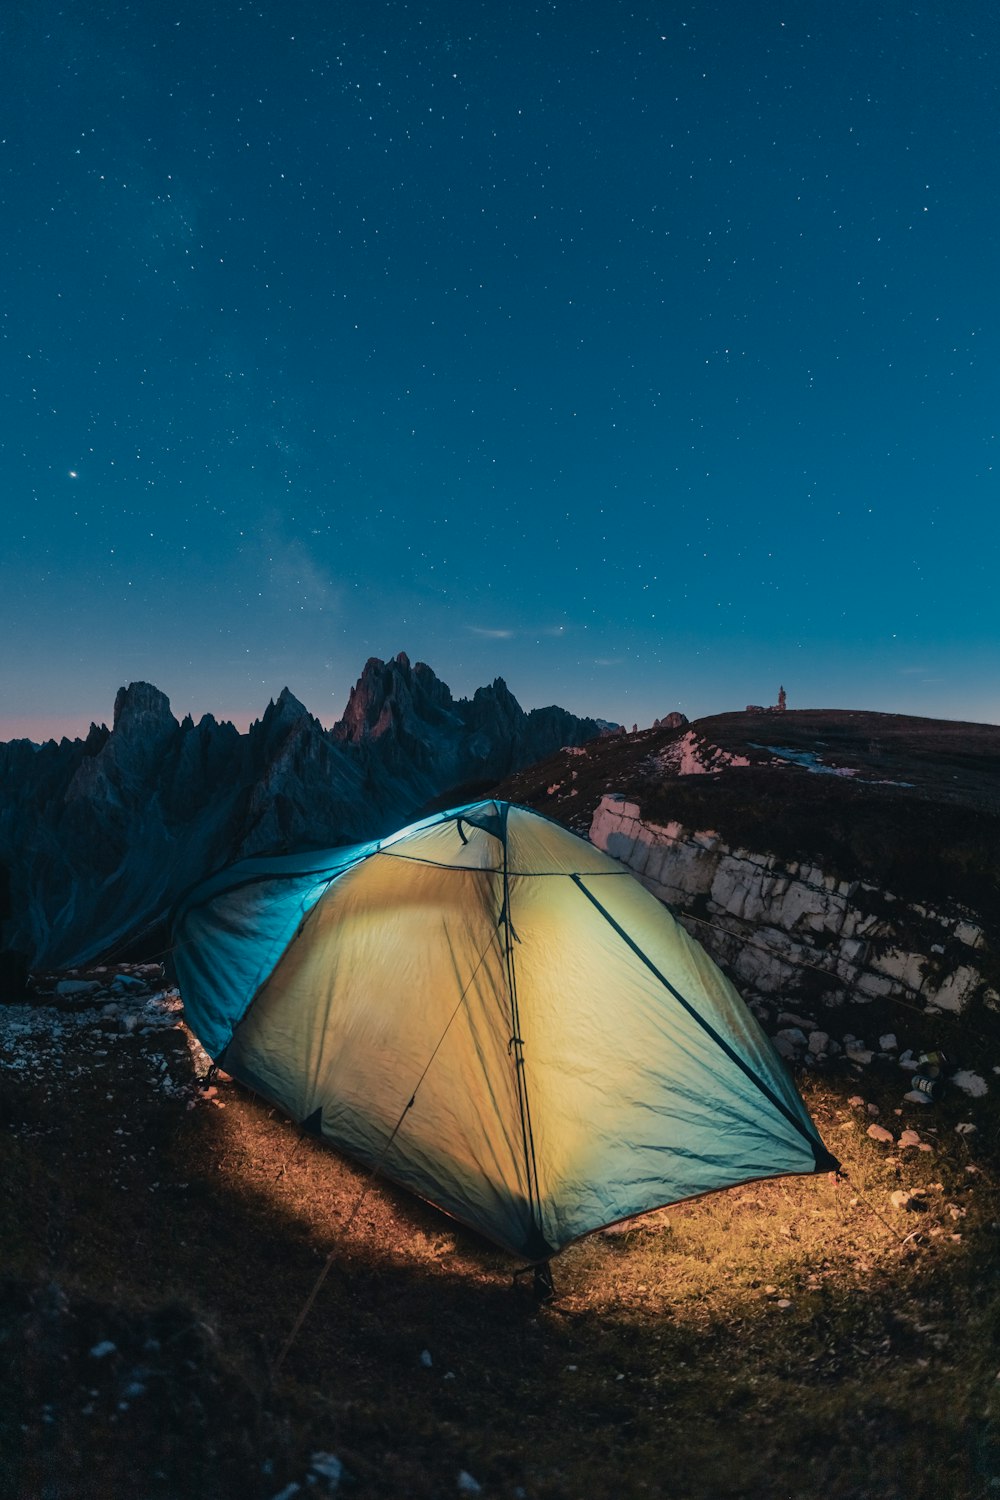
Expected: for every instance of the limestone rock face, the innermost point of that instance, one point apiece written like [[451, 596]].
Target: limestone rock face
[[101, 835], [778, 927]]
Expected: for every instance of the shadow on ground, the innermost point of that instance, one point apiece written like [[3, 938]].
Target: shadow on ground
[[775, 1340]]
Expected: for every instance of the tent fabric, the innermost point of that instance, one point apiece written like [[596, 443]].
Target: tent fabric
[[561, 1054]]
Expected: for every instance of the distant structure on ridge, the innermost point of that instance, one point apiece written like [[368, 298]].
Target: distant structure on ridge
[[776, 708]]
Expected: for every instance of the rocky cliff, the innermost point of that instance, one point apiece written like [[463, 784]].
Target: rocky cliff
[[826, 859], [794, 930], [98, 836]]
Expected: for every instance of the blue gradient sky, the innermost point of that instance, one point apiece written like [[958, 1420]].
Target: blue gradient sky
[[645, 356]]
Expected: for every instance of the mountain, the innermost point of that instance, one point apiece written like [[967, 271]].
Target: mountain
[[99, 836], [824, 857]]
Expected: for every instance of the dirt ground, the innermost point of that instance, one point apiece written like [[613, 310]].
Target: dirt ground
[[798, 1338]]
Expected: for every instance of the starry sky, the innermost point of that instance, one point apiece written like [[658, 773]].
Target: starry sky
[[643, 355]]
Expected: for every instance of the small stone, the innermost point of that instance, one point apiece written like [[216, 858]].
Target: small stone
[[873, 1109], [909, 1138], [819, 1042], [965, 1128], [970, 1083], [911, 1199], [466, 1485], [103, 1349], [856, 1101], [425, 1359], [879, 1133], [327, 1466], [784, 1302]]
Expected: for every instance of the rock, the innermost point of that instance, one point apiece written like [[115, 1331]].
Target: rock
[[970, 1083], [795, 1035], [908, 1198], [103, 1349], [969, 933], [425, 1359], [328, 1467], [466, 1485], [879, 1133], [909, 1138], [965, 1128], [916, 1097], [76, 989], [785, 1048], [819, 1043], [956, 989], [858, 1054], [888, 1043]]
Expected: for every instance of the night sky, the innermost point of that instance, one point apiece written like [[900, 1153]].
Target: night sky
[[646, 356]]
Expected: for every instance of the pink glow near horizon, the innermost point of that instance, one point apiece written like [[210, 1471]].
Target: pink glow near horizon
[[42, 727]]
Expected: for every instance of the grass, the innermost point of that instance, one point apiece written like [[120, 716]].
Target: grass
[[793, 1338]]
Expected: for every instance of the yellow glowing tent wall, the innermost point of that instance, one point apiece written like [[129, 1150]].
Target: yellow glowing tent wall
[[572, 1056]]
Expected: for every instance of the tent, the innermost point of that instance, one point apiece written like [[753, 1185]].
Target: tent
[[499, 1016]]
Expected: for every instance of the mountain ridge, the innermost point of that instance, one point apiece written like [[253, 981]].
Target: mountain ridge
[[99, 835]]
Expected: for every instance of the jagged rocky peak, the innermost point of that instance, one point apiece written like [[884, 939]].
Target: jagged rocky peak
[[284, 722], [284, 710], [102, 834], [141, 710], [97, 738], [391, 696], [495, 708]]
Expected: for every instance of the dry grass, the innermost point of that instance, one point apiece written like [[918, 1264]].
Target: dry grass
[[775, 1340]]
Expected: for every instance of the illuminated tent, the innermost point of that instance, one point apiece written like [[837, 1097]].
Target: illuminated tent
[[538, 1043]]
